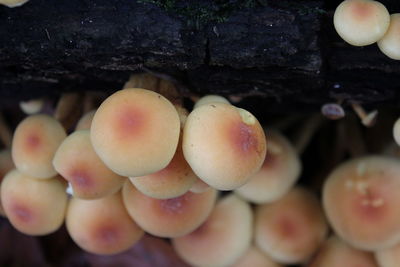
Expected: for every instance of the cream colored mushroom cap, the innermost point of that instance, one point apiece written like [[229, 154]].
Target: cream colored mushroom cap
[[223, 145], [13, 3], [390, 42], [361, 22], [135, 132], [360, 198]]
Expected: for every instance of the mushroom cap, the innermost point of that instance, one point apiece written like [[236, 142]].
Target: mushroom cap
[[34, 144], [223, 145], [6, 165], [33, 206], [222, 239], [31, 106], [79, 164], [291, 229], [126, 129], [102, 226], [389, 44], [85, 121], [389, 257], [279, 172], [209, 99], [172, 181], [334, 252], [361, 22], [199, 186], [168, 217], [396, 131], [361, 200], [13, 3], [255, 258]]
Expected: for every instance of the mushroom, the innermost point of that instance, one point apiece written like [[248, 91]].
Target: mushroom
[[33, 206], [334, 253], [34, 144], [126, 129], [291, 229], [85, 121], [255, 258], [32, 106], [389, 257], [102, 226], [279, 172], [389, 44], [6, 165], [361, 200], [222, 239], [224, 145], [13, 3], [396, 131], [209, 99], [361, 22], [79, 164], [168, 217]]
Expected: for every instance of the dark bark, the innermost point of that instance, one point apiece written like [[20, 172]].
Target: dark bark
[[286, 53]]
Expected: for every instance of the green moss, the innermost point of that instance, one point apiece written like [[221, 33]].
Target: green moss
[[198, 13]]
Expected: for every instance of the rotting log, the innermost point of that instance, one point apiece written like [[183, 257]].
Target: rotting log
[[285, 54]]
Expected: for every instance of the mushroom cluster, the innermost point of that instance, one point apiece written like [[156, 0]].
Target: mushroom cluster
[[140, 164], [364, 22]]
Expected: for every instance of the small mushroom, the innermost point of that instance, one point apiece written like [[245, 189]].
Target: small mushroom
[[209, 99], [13, 3], [361, 22], [361, 200], [32, 106], [126, 130], [224, 145], [33, 206], [102, 226], [76, 160], [334, 253], [168, 217], [389, 44], [292, 228], [222, 239], [279, 172], [34, 144]]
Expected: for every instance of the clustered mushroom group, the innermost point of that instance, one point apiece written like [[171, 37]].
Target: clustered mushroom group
[[364, 22], [141, 163]]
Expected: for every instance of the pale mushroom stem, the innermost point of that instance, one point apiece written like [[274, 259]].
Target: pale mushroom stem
[[303, 137], [67, 111], [5, 132], [88, 103], [354, 139], [367, 119]]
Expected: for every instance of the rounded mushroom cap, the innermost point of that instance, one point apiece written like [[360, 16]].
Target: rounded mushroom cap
[[33, 206], [172, 181], [222, 239], [34, 144], [85, 121], [102, 226], [126, 130], [32, 106], [279, 172], [168, 217], [389, 44], [361, 22], [6, 165], [334, 253], [396, 131], [209, 99], [79, 164], [223, 145], [13, 3], [291, 229], [361, 200], [255, 258], [389, 257]]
